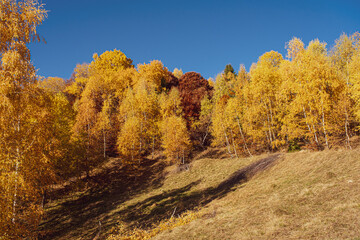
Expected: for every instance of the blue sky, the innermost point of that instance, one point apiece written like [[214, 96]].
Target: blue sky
[[197, 35]]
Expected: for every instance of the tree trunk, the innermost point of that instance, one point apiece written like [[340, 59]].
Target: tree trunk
[[271, 120], [269, 129], [323, 125], [206, 134], [104, 143], [243, 137], [141, 127], [346, 129], [346, 113], [16, 186], [43, 199], [17, 163], [314, 129], [233, 141], [227, 140], [183, 157], [307, 121], [153, 147]]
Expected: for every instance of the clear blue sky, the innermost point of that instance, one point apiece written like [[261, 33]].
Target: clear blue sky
[[194, 35]]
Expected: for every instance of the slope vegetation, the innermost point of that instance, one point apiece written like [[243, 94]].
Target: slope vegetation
[[302, 195]]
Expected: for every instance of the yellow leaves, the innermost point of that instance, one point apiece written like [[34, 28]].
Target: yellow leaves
[[81, 78], [153, 74], [270, 59], [265, 77], [124, 80], [19, 21], [354, 76], [178, 73], [129, 139], [53, 84], [170, 104], [139, 105], [164, 225], [294, 47], [109, 63], [175, 137], [343, 50]]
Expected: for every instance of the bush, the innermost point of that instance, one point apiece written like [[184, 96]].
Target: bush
[[293, 146]]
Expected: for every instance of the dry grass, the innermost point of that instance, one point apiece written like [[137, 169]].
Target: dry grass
[[306, 195], [303, 195]]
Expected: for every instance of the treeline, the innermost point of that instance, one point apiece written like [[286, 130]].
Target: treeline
[[310, 98], [52, 129], [120, 110]]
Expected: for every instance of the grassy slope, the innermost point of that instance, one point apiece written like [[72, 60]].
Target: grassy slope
[[308, 195], [304, 196]]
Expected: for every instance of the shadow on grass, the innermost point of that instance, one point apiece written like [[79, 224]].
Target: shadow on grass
[[79, 216], [164, 204], [100, 204]]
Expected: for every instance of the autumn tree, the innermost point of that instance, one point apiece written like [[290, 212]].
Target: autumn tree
[[154, 74], [174, 133], [25, 170], [202, 126], [341, 56], [170, 81], [193, 87], [175, 138], [141, 105], [178, 73], [314, 88], [99, 89], [53, 84], [219, 128], [79, 79], [261, 113], [229, 72], [354, 80], [238, 108]]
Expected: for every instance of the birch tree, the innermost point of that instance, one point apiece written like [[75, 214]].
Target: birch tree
[[22, 121]]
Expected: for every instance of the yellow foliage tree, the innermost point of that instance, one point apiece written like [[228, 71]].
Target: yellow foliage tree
[[175, 138], [178, 73], [341, 56], [25, 169], [313, 87], [262, 111], [154, 74]]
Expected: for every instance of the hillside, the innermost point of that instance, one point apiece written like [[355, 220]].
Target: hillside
[[301, 195]]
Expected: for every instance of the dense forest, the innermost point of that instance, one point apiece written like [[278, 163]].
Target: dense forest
[[52, 129]]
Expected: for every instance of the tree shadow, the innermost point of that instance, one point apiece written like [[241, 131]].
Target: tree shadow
[[154, 209], [105, 191], [80, 216]]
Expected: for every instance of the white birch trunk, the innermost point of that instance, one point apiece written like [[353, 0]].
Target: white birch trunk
[[323, 125], [227, 140], [233, 141], [243, 137], [17, 163], [346, 129]]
